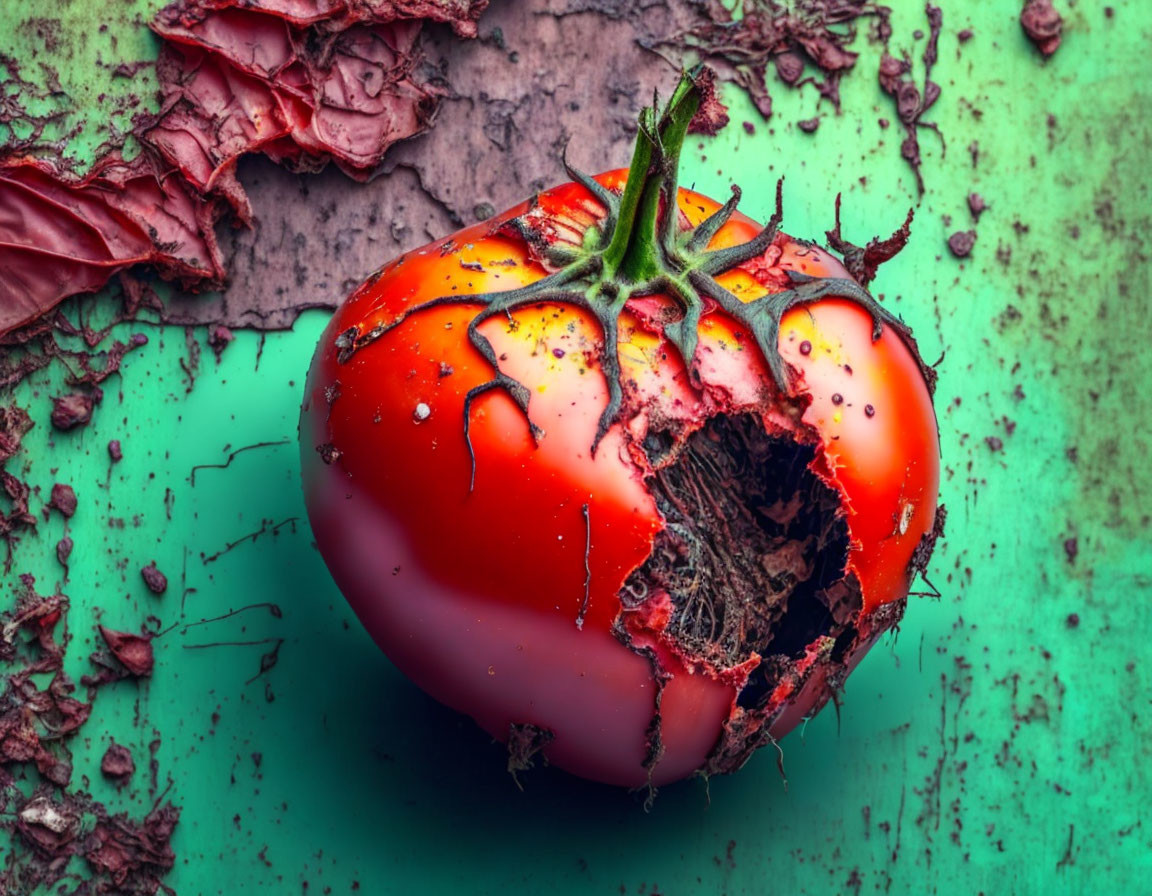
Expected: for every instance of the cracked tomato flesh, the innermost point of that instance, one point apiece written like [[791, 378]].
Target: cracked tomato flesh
[[503, 600]]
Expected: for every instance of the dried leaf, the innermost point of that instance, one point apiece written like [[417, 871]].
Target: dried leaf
[[62, 234], [133, 651]]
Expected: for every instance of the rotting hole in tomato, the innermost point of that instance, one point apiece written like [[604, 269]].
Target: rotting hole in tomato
[[752, 553]]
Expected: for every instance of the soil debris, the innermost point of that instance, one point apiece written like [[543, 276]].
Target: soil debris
[[64, 551], [862, 262], [156, 581], [56, 824], [1043, 25], [712, 114], [911, 101], [14, 424], [17, 517], [525, 741], [804, 42], [117, 763], [960, 243], [74, 409], [63, 499], [219, 338]]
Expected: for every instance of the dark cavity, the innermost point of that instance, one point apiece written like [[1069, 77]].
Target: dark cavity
[[752, 553]]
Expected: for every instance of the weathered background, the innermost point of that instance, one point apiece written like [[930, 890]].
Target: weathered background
[[998, 744]]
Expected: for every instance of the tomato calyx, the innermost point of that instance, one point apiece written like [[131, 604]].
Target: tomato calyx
[[638, 250], [863, 261]]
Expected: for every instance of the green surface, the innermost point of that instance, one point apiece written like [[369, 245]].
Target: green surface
[[88, 103], [990, 747]]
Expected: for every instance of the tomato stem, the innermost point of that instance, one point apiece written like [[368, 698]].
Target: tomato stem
[[634, 253]]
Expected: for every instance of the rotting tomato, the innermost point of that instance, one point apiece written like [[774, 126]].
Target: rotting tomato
[[635, 491]]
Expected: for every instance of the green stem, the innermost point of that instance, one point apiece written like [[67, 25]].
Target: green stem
[[634, 251]]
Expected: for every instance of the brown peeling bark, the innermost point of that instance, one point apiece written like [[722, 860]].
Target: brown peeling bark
[[301, 100], [314, 238]]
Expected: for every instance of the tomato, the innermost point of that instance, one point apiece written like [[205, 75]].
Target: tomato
[[621, 531]]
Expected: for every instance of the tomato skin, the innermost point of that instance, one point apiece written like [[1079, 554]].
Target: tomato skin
[[502, 601]]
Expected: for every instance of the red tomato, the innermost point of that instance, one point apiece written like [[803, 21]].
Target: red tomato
[[604, 607]]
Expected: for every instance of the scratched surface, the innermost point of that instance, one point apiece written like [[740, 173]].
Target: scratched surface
[[999, 743]]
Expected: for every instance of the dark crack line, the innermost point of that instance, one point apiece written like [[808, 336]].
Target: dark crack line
[[587, 568], [265, 529], [233, 455]]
